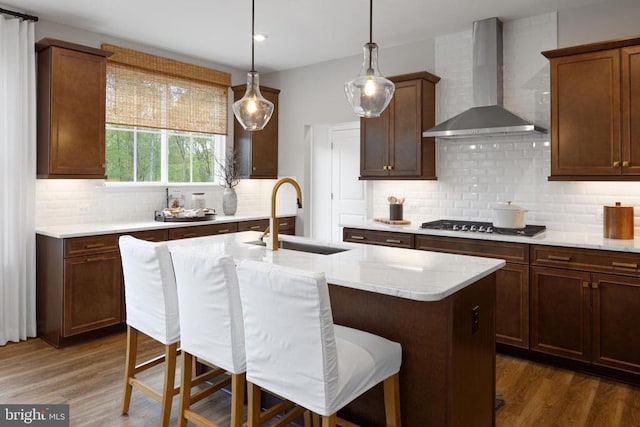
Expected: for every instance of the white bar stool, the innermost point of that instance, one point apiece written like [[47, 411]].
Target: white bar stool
[[152, 308], [211, 330], [295, 351]]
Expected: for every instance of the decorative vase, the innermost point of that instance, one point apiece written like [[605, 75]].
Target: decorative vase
[[229, 201]]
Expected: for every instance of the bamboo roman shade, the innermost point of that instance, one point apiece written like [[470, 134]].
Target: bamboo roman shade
[[152, 91]]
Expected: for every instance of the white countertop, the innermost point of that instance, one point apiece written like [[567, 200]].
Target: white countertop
[[80, 230], [405, 273], [549, 237]]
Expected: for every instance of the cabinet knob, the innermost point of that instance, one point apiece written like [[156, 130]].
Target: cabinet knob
[[616, 164], [390, 167], [254, 168], [625, 164], [384, 168]]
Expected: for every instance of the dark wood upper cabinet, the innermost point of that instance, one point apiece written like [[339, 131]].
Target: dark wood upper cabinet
[[71, 110], [257, 150], [392, 145], [595, 120]]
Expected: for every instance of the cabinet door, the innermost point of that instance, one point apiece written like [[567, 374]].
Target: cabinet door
[[406, 130], [77, 113], [374, 144], [92, 292], [631, 110], [264, 144], [512, 305], [257, 151], [560, 312], [616, 316], [585, 114]]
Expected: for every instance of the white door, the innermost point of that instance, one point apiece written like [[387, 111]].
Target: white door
[[348, 193]]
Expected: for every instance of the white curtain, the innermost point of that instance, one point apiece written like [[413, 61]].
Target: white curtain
[[17, 180]]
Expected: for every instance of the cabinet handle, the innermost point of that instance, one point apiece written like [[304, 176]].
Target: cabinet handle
[[394, 241], [616, 164], [384, 167], [357, 237], [255, 227], [95, 258], [94, 245], [226, 230], [104, 165], [558, 258], [594, 285], [254, 168], [150, 239], [389, 167], [633, 265], [190, 235], [585, 284], [283, 224], [625, 164]]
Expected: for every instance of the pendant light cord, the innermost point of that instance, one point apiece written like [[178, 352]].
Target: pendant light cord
[[370, 32], [253, 35]]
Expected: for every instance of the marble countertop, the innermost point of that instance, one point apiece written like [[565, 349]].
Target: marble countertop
[[549, 237], [92, 229], [405, 273]]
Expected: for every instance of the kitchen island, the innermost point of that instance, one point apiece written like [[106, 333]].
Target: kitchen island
[[439, 307]]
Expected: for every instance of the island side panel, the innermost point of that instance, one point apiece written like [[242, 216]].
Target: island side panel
[[473, 363], [434, 344]]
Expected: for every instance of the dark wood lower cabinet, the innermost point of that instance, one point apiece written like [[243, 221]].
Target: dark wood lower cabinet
[[512, 305], [616, 319], [79, 284], [92, 293], [561, 312]]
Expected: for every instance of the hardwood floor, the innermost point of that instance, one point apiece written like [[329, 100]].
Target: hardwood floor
[[88, 376]]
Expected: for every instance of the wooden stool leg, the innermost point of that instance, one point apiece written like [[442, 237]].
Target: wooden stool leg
[[129, 366], [237, 399], [169, 381], [330, 420], [392, 400], [253, 405], [185, 387]]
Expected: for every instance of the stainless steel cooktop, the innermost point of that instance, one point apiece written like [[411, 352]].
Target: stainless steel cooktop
[[482, 227]]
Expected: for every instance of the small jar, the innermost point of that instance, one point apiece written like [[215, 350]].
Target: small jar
[[197, 200]]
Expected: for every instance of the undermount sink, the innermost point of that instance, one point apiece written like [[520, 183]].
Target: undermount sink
[[302, 247]]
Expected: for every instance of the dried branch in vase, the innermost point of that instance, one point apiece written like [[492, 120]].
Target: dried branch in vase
[[229, 171]]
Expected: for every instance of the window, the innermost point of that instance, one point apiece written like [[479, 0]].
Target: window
[[137, 154], [166, 120]]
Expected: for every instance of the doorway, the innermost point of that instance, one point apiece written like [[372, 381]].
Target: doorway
[[338, 196]]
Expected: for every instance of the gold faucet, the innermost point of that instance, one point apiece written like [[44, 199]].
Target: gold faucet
[[273, 225]]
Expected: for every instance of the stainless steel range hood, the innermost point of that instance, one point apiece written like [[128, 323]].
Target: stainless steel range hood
[[488, 117]]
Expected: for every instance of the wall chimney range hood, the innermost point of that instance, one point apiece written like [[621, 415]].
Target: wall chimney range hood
[[487, 118]]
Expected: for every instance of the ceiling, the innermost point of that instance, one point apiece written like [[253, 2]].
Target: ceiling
[[300, 32]]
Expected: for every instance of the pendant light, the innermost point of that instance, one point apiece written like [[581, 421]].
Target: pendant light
[[253, 111], [369, 93]]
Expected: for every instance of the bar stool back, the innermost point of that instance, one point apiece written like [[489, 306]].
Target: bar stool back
[[152, 308], [211, 330]]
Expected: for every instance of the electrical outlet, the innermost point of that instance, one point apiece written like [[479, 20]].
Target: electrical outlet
[[475, 319]]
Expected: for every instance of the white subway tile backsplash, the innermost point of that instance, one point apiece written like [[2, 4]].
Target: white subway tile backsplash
[[475, 174]]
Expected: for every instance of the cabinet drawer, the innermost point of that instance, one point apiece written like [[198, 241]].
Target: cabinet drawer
[[151, 235], [255, 225], [586, 259], [90, 245], [512, 252], [202, 230], [382, 238], [287, 225]]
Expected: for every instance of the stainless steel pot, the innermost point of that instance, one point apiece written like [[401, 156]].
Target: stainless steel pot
[[507, 215]]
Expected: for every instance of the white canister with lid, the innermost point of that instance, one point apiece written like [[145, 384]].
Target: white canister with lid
[[198, 201]]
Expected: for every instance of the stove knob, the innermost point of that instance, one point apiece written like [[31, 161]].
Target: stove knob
[[464, 228], [455, 228], [473, 228], [489, 230], [481, 228]]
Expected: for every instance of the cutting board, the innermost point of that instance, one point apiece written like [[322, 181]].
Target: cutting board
[[393, 221]]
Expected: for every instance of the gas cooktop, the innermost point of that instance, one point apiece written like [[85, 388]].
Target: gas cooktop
[[482, 227]]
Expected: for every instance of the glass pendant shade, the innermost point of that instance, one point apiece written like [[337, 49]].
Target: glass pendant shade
[[253, 111], [369, 93]]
